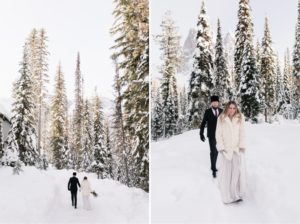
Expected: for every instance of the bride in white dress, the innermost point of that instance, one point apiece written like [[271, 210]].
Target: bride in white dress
[[86, 192], [230, 136]]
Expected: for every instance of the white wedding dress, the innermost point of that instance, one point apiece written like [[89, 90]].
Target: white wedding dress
[[86, 192], [232, 177]]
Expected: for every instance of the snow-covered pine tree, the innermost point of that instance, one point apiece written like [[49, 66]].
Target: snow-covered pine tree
[[296, 66], [1, 139], [157, 122], [38, 65], [222, 79], [17, 167], [229, 48], [268, 74], [183, 101], [108, 147], [87, 150], [249, 86], [169, 121], [258, 52], [258, 55], [243, 35], [77, 122], [68, 159], [32, 42], [184, 106], [279, 90], [120, 136], [11, 151], [287, 82], [172, 58], [58, 117], [200, 84], [98, 165], [22, 136], [42, 80], [132, 47]]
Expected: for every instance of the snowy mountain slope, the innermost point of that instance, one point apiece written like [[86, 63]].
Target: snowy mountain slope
[[42, 197], [183, 190]]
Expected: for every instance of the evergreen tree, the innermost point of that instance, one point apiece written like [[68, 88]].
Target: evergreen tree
[[201, 83], [268, 74], [132, 47], [108, 147], [171, 56], [120, 136], [42, 79], [87, 138], [58, 112], [249, 86], [279, 90], [157, 123], [169, 125], [222, 84], [98, 165], [296, 65], [17, 167], [78, 115], [258, 56], [183, 102], [11, 151], [68, 159], [1, 139], [38, 56], [22, 135], [287, 84], [183, 120], [243, 35], [32, 42]]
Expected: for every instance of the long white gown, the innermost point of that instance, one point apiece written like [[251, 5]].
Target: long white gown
[[232, 177], [86, 192]]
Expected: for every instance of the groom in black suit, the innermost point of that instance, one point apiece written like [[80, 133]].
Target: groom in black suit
[[72, 186], [210, 118]]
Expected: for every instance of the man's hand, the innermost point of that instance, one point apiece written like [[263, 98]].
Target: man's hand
[[202, 137]]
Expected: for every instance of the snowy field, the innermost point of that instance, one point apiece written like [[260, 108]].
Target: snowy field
[[183, 190], [42, 197]]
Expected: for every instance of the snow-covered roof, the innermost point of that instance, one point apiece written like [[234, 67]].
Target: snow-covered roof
[[4, 114]]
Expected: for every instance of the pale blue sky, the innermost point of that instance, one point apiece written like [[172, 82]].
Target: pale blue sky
[[282, 18], [71, 25]]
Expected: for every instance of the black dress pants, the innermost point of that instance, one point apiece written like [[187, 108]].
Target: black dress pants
[[74, 198], [213, 153]]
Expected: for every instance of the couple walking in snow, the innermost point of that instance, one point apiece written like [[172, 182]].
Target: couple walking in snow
[[226, 134], [85, 189]]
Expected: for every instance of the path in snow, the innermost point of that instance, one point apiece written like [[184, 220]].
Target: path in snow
[[183, 190], [42, 197]]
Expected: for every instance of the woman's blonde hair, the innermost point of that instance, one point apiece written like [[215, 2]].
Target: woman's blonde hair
[[225, 112]]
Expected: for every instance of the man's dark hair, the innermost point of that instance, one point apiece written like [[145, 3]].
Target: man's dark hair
[[74, 174]]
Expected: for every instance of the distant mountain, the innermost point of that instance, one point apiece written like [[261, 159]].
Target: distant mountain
[[188, 51]]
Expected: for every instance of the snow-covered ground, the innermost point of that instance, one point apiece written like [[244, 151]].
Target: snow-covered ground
[[183, 190], [42, 197]]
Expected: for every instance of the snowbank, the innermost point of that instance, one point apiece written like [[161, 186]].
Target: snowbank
[[37, 196], [183, 190]]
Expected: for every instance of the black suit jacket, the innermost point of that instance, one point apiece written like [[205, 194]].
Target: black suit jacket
[[211, 120], [73, 182]]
